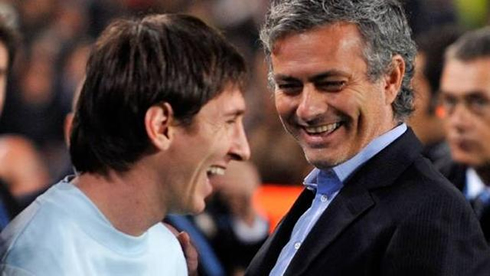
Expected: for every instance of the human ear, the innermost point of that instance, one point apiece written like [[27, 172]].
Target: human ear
[[158, 125], [394, 78]]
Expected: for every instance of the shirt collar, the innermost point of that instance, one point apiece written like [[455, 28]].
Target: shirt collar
[[474, 184], [322, 180]]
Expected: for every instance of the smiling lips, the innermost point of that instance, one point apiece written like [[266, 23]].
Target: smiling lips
[[324, 129]]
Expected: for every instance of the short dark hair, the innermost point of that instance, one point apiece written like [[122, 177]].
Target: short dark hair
[[472, 45], [433, 44], [10, 38], [382, 24], [139, 63]]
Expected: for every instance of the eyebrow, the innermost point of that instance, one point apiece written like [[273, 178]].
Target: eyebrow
[[235, 112], [317, 77], [477, 93], [473, 93]]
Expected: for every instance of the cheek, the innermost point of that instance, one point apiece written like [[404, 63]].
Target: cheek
[[352, 103], [219, 141], [284, 105], [482, 127], [447, 124]]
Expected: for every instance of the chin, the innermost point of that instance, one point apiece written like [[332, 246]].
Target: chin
[[466, 159], [324, 162], [198, 207]]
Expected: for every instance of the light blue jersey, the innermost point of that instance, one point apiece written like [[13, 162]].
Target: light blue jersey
[[63, 233]]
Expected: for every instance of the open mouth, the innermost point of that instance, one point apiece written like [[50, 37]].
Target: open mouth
[[215, 170], [324, 129]]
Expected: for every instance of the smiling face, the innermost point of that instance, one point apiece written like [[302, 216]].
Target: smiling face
[[205, 148], [465, 96], [323, 94]]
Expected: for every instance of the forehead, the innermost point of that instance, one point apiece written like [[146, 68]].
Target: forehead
[[337, 46], [229, 102], [464, 77]]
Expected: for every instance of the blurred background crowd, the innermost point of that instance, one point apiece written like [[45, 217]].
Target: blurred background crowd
[[56, 40], [57, 36]]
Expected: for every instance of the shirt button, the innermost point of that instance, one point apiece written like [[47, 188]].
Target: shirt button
[[297, 245], [323, 198]]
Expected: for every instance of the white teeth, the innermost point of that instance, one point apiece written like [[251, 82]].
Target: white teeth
[[321, 129], [213, 170]]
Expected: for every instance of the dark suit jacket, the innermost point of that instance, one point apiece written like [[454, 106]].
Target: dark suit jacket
[[456, 174], [396, 215]]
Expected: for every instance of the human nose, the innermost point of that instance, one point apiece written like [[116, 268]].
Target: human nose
[[311, 105], [240, 150]]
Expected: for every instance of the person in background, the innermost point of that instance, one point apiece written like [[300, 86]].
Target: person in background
[[159, 115], [8, 45], [236, 221], [426, 121], [22, 169], [23, 174], [373, 205], [465, 97]]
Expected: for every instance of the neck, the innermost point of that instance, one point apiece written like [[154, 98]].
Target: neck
[[126, 199]]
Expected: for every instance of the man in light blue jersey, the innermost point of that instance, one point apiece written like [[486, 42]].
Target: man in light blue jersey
[[159, 115], [373, 205]]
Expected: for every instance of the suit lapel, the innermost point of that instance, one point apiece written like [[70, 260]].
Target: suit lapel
[[345, 208], [266, 257]]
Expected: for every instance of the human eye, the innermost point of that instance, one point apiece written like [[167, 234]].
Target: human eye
[[234, 119], [331, 85], [477, 103], [448, 102], [231, 121], [289, 88]]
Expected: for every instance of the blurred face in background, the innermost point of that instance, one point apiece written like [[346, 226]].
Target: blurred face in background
[[465, 97], [425, 122], [4, 61]]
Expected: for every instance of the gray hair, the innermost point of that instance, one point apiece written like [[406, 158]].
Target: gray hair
[[472, 45], [382, 24]]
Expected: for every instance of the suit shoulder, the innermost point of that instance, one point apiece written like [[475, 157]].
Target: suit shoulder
[[421, 189]]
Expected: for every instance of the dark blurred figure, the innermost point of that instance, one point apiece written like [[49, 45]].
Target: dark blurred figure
[[425, 14], [426, 121], [465, 96], [8, 45], [22, 169]]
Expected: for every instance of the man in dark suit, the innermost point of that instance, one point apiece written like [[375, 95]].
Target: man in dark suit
[[465, 96], [426, 120], [372, 205]]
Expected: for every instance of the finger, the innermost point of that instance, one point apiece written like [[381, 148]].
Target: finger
[[190, 252]]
